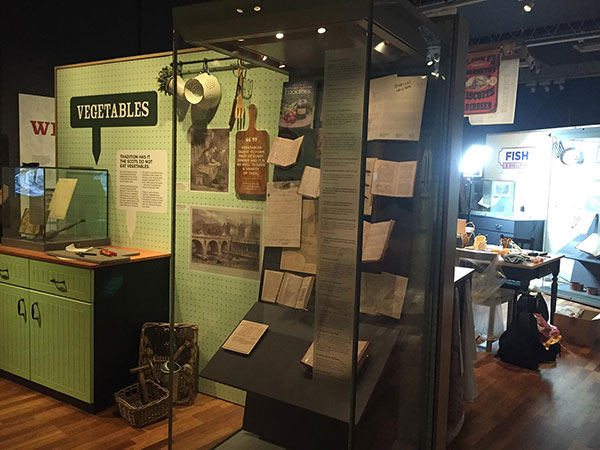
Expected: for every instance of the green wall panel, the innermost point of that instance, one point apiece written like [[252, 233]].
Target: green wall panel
[[215, 302]]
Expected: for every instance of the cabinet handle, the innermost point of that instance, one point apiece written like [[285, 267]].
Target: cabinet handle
[[19, 311], [56, 282], [38, 318], [4, 273]]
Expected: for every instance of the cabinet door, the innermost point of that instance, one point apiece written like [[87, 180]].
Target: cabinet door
[[14, 330], [61, 344]]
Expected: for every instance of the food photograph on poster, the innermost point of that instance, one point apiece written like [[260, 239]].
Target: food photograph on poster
[[209, 160], [226, 241]]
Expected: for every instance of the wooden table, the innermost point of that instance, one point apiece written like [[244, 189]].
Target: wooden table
[[524, 273]]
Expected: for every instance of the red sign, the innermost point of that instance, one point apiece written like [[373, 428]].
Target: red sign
[[481, 90]]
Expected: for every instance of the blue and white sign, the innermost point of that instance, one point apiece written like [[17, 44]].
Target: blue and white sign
[[515, 157]]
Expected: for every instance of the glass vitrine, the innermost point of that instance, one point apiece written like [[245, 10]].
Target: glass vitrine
[[362, 173], [47, 208]]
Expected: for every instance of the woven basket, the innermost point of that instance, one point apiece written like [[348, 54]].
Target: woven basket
[[135, 412], [154, 347]]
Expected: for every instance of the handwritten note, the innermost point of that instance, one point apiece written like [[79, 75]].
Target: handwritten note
[[396, 108]]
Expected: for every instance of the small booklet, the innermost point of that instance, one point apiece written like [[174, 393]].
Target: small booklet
[[382, 293], [271, 283], [284, 152], [245, 337], [287, 289], [310, 183], [376, 237], [394, 179], [308, 360]]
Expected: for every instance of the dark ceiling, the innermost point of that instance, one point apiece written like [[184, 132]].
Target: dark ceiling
[[497, 16]]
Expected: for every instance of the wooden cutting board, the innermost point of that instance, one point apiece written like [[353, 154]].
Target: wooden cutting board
[[251, 150]]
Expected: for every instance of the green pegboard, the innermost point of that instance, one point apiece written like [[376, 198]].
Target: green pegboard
[[215, 302]]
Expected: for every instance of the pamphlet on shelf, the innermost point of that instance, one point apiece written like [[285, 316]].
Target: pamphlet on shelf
[[61, 198], [245, 337], [382, 293], [375, 240], [369, 168], [396, 108], [308, 360], [271, 283], [310, 184], [394, 179], [304, 259], [284, 152], [283, 218]]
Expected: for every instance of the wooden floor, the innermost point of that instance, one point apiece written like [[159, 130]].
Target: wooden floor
[[29, 420], [556, 408]]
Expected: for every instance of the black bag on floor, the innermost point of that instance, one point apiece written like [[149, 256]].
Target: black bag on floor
[[520, 343], [528, 303]]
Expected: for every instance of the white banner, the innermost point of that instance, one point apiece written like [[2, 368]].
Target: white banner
[[37, 130]]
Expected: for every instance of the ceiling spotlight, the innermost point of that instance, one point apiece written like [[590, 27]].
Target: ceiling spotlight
[[435, 74], [528, 6], [281, 65], [321, 30], [257, 8], [240, 11], [241, 40], [430, 62], [264, 57], [279, 35]]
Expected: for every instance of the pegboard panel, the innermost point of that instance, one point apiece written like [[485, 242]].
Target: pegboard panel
[[215, 302], [74, 145], [218, 302]]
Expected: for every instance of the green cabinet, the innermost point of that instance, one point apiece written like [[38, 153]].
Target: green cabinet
[[75, 330], [61, 345], [14, 330]]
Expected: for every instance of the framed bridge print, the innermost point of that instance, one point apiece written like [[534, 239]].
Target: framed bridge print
[[226, 241]]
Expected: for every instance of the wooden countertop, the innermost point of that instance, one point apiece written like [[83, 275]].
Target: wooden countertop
[[144, 255]]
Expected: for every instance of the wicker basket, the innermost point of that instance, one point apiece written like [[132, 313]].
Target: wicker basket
[[154, 348], [135, 412]]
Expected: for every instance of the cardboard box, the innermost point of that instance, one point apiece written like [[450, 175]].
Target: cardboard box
[[583, 330]]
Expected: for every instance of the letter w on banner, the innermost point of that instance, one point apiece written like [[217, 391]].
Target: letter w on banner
[[37, 130], [481, 90]]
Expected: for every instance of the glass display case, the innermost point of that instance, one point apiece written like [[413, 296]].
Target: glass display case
[[373, 92], [496, 197], [49, 208]]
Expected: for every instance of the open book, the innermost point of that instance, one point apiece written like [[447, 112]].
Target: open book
[[376, 237], [287, 289], [308, 360], [382, 293]]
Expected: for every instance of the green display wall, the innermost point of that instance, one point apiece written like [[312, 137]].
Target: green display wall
[[213, 301]]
